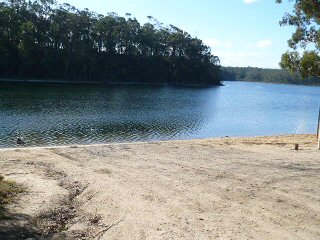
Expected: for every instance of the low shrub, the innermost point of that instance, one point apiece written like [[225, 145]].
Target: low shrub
[[8, 192]]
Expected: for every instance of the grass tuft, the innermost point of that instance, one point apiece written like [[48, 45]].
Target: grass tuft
[[8, 192]]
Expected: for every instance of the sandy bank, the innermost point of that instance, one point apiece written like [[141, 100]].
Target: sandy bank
[[231, 188]]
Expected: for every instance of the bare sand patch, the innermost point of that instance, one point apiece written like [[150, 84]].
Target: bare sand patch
[[229, 188]]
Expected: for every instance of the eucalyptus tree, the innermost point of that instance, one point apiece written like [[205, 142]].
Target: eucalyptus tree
[[131, 30], [147, 39], [306, 19]]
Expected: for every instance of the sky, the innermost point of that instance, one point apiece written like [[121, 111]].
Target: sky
[[240, 32]]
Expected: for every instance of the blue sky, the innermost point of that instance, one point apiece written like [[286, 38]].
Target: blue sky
[[241, 32]]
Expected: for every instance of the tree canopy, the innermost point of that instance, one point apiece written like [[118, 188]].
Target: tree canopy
[[306, 19], [41, 39]]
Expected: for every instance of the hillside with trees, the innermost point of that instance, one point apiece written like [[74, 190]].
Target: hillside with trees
[[43, 40], [252, 74]]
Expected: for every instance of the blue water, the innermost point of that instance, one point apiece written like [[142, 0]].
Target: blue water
[[59, 114]]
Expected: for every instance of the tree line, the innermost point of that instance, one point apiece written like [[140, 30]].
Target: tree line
[[253, 74], [41, 39]]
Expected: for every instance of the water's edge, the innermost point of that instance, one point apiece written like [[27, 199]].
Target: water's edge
[[146, 142]]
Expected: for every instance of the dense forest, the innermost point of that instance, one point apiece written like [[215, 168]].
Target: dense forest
[[253, 74], [43, 40]]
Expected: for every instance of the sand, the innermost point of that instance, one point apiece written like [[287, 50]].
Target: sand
[[229, 188]]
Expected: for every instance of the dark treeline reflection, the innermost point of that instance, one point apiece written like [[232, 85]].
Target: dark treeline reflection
[[40, 39], [58, 114]]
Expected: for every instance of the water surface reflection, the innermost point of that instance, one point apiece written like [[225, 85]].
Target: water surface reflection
[[58, 114]]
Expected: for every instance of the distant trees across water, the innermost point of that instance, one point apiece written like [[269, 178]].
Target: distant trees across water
[[253, 74], [40, 39]]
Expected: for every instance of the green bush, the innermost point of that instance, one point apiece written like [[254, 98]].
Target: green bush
[[8, 192]]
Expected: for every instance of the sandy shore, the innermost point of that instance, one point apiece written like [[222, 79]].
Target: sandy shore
[[230, 188]]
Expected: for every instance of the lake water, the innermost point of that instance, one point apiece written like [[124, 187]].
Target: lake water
[[59, 114]]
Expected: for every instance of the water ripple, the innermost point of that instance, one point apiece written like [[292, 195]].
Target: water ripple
[[58, 115]]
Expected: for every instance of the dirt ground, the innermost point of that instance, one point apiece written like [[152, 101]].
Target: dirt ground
[[228, 188]]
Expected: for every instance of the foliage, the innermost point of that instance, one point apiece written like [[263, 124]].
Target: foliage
[[41, 39], [252, 74], [306, 19], [8, 192]]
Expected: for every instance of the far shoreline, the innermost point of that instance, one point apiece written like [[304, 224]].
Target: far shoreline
[[115, 83], [112, 83]]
